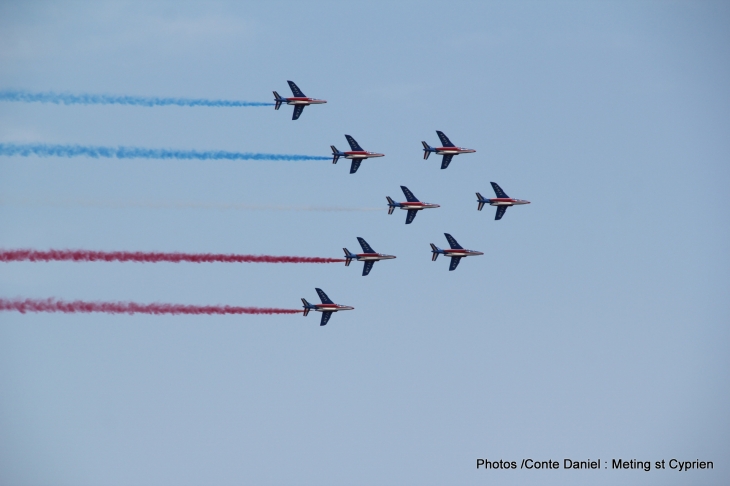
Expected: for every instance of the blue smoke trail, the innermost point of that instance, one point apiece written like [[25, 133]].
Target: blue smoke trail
[[49, 150], [97, 99]]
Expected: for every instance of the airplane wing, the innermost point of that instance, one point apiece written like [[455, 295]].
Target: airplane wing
[[365, 247], [368, 266], [445, 142], [355, 165], [323, 297], [411, 215], [500, 212], [325, 318], [498, 190], [298, 109], [446, 160], [409, 195], [452, 242], [353, 144], [454, 263], [295, 90]]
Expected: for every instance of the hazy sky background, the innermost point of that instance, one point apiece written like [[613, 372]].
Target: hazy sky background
[[595, 325]]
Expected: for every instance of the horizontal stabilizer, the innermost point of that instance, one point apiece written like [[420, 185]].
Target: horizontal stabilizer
[[391, 204], [435, 251], [426, 150], [348, 257]]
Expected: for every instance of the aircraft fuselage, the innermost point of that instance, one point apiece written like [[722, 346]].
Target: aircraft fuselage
[[506, 201], [461, 253], [364, 257], [304, 101], [331, 307], [453, 150], [417, 205], [361, 154]]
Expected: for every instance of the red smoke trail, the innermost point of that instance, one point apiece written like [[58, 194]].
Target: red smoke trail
[[150, 257], [52, 305]]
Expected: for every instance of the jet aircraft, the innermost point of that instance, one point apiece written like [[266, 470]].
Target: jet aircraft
[[299, 100], [357, 154], [502, 201], [412, 205], [327, 307], [448, 150], [369, 256], [456, 253]]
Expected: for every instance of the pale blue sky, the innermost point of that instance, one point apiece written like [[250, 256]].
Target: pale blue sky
[[595, 325]]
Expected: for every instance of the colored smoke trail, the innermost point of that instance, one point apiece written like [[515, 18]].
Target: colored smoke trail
[[90, 203], [79, 306], [149, 257], [54, 150], [101, 99]]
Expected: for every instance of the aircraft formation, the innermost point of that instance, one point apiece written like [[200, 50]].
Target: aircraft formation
[[412, 204]]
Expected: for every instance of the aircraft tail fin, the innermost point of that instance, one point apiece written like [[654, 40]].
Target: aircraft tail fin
[[335, 154], [278, 99], [426, 150], [435, 250], [349, 257], [480, 200], [306, 306], [391, 204]]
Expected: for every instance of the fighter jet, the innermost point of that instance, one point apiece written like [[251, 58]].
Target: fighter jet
[[448, 150], [456, 253], [327, 307], [299, 100], [412, 205], [369, 256], [357, 154], [502, 201]]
